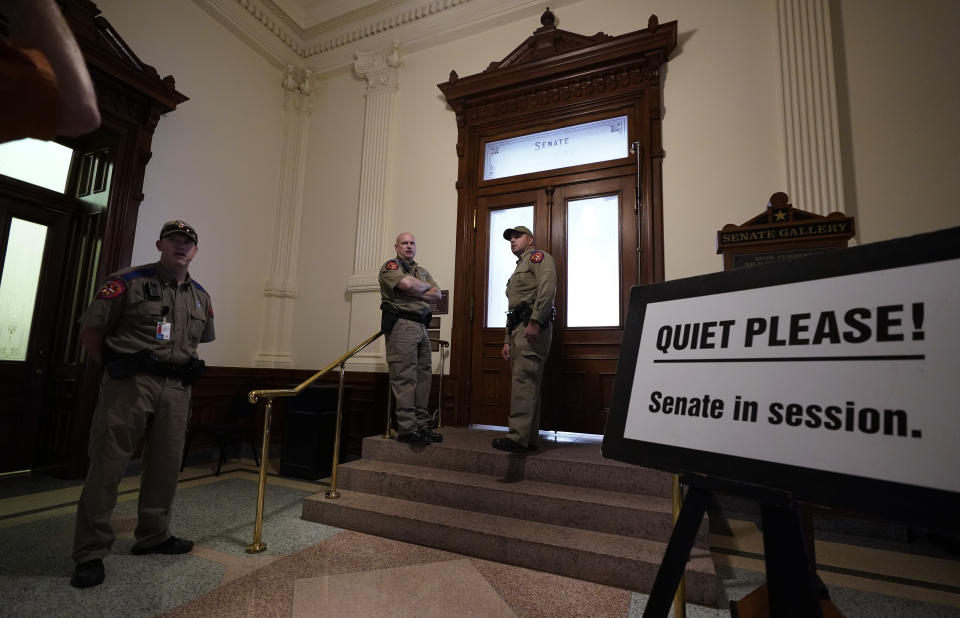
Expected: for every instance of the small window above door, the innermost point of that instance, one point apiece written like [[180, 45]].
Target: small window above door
[[579, 144], [45, 164]]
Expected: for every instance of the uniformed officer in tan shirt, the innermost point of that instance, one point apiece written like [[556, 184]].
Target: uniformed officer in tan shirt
[[406, 290], [144, 326], [530, 293]]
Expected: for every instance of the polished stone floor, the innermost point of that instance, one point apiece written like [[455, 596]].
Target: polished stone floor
[[315, 570]]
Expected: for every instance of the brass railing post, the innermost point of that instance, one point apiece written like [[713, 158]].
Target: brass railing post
[[386, 431], [443, 349], [333, 493], [257, 545], [680, 598]]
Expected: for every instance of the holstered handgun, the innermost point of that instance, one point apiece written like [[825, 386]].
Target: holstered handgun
[[388, 317], [191, 371], [520, 314]]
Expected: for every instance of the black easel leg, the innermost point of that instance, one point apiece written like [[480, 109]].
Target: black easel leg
[[678, 552], [791, 574]]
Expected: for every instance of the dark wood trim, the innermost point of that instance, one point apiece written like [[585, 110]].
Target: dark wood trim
[[366, 415], [131, 96]]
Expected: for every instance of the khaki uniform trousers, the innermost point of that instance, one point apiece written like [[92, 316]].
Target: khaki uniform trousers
[[526, 366], [144, 406], [410, 363]]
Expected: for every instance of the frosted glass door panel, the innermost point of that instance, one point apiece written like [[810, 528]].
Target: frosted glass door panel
[[501, 261], [18, 287], [593, 258]]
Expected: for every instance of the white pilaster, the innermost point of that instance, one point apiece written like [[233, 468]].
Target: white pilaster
[[382, 72], [814, 172], [280, 289]]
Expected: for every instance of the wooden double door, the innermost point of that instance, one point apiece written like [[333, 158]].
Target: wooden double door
[[591, 230]]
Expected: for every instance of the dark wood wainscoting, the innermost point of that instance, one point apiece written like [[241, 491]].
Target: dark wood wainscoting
[[367, 406]]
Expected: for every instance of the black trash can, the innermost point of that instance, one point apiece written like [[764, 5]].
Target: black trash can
[[309, 424]]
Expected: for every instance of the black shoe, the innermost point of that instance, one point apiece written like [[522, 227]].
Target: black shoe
[[171, 546], [87, 574], [414, 437], [434, 436], [506, 444]]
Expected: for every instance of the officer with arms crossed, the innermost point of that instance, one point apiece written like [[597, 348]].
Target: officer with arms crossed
[[406, 290], [144, 326], [530, 292]]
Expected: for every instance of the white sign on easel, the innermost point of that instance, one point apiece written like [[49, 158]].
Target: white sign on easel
[[854, 374]]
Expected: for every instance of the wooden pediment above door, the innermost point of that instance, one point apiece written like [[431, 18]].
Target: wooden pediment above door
[[119, 75], [547, 41], [556, 68]]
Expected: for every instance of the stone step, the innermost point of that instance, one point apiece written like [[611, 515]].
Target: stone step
[[610, 559], [566, 463], [588, 508]]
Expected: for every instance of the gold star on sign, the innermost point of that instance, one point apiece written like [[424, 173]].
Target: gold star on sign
[[780, 215]]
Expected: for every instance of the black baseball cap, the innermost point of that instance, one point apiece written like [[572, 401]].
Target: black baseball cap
[[511, 231], [178, 227]]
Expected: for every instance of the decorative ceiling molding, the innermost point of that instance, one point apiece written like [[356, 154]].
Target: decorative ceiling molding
[[330, 45], [364, 23], [257, 26], [371, 11]]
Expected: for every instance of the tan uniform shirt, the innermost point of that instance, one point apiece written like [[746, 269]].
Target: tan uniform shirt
[[390, 275], [535, 281], [132, 304]]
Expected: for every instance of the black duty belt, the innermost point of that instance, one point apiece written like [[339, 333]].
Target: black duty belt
[[413, 316], [120, 366], [522, 313], [391, 314]]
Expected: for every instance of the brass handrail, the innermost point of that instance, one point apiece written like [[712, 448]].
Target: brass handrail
[[257, 545], [438, 415]]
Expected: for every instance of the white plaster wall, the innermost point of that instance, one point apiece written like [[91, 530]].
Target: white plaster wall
[[900, 99], [722, 135], [721, 128], [329, 222], [215, 160]]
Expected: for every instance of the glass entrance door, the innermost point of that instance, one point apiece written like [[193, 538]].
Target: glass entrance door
[[590, 229]]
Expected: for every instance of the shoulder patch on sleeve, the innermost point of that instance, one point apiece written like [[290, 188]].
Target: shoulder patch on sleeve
[[210, 309], [536, 257], [392, 265], [112, 288]]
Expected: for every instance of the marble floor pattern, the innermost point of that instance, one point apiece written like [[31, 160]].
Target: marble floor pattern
[[314, 570]]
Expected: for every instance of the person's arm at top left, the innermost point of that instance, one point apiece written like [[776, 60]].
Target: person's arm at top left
[[39, 24]]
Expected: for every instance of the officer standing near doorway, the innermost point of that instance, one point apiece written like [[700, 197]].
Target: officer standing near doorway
[[143, 326], [406, 291], [530, 293]]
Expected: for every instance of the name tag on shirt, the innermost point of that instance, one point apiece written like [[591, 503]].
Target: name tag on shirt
[[163, 331]]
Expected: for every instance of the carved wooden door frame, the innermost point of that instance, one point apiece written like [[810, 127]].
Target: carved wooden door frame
[[556, 77]]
